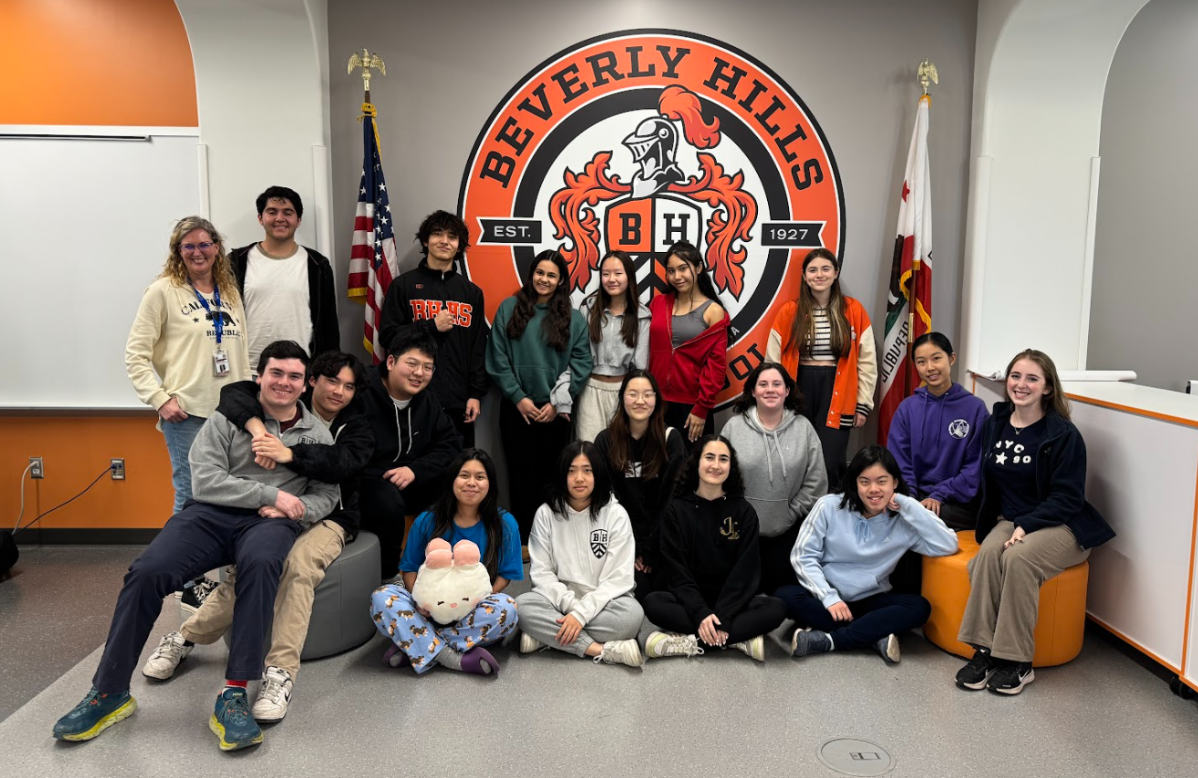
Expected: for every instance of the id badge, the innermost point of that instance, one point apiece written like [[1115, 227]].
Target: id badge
[[220, 363]]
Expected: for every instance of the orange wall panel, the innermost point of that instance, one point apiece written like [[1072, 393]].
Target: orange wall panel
[[95, 62], [76, 449]]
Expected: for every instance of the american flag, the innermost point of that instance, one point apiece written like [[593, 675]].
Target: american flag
[[372, 262]]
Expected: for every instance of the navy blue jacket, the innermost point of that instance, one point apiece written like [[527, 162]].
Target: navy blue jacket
[[1060, 482]]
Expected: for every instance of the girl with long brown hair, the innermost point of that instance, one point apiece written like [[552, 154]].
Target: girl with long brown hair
[[1033, 524], [618, 331], [187, 341], [539, 359], [643, 456], [824, 339]]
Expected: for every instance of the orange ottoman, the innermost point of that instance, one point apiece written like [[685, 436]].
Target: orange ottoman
[[1060, 625]]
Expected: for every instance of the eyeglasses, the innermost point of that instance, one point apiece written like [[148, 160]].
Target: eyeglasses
[[191, 248], [415, 367]]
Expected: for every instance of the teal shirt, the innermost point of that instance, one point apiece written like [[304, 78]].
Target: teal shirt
[[526, 366]]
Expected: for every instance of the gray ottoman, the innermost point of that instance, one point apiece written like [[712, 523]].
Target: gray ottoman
[[341, 606]]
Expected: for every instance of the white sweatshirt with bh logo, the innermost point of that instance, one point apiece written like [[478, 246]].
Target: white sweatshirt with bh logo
[[581, 565]]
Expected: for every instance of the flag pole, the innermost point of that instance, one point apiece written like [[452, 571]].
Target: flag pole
[[926, 73]]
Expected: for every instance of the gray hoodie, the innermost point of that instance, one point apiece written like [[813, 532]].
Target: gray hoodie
[[783, 468], [223, 471]]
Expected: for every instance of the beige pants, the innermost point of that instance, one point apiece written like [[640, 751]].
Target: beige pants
[[595, 407], [314, 550], [1004, 594]]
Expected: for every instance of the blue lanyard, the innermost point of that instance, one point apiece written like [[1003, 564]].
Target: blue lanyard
[[218, 319]]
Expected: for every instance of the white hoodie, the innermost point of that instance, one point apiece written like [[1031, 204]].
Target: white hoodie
[[581, 565]]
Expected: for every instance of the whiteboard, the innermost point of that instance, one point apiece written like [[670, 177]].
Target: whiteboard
[[84, 229]]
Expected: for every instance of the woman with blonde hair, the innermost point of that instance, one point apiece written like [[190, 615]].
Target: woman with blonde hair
[[1034, 523], [187, 341], [825, 341]]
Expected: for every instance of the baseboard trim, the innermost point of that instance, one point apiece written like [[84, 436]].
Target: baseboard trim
[[86, 536]]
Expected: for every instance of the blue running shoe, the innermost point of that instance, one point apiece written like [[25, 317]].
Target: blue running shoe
[[808, 641], [95, 714], [232, 722]]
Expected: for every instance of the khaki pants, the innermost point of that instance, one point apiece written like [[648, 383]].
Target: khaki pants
[[314, 550], [1004, 595]]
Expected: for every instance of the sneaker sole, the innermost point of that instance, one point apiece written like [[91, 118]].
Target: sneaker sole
[[976, 687], [166, 677], [268, 718], [117, 716], [219, 730], [892, 655], [1031, 676]]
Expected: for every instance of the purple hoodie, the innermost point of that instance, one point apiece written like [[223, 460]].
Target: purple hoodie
[[938, 443]]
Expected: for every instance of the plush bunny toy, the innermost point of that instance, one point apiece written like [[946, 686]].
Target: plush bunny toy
[[450, 583]]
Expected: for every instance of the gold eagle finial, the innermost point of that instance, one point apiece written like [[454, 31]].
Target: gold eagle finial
[[927, 72], [366, 61]]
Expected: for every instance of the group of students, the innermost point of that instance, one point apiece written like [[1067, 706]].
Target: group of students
[[648, 535]]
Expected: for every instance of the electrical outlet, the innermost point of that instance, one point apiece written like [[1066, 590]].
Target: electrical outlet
[[117, 466], [37, 470]]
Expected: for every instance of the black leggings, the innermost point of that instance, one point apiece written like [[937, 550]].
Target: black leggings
[[776, 569], [762, 614], [676, 414], [817, 385], [531, 452]]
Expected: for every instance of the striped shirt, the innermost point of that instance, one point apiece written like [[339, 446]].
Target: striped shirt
[[820, 349]]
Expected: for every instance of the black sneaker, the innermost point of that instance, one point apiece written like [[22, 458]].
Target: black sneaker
[[974, 675], [195, 592], [1011, 677], [808, 641]]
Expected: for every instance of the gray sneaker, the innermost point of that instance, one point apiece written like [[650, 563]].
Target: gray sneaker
[[888, 649], [166, 658], [807, 641]]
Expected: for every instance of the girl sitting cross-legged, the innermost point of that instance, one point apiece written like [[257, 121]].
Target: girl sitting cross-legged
[[711, 566], [469, 510], [847, 549], [582, 550]]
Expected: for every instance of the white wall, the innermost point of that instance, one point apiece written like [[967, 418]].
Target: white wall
[[1042, 68]]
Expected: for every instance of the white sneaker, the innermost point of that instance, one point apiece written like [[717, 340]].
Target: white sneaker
[[529, 644], [170, 652], [274, 695], [754, 648], [621, 652], [661, 644]]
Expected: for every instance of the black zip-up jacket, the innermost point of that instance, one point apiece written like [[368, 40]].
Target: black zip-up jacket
[[413, 301], [322, 298], [709, 554], [1060, 482], [420, 437], [341, 463]]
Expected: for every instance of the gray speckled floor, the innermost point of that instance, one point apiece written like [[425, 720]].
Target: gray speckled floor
[[556, 716]]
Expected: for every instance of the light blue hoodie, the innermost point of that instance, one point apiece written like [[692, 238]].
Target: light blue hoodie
[[842, 556]]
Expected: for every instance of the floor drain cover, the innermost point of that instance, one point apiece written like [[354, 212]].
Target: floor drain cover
[[855, 757]]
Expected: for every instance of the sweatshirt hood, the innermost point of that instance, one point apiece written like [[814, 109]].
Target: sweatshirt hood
[[768, 437]]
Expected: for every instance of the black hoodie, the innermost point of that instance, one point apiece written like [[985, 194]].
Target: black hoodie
[[420, 436], [413, 301], [709, 555], [340, 463]]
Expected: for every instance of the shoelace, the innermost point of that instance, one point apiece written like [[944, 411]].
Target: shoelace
[[686, 643], [168, 647], [237, 705], [272, 688]]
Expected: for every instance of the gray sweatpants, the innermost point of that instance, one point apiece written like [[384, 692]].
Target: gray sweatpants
[[1004, 594], [619, 620]]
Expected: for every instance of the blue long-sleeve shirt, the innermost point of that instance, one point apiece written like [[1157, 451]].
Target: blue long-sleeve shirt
[[937, 442], [842, 556]]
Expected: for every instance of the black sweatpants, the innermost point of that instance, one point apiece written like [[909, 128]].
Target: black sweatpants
[[817, 385], [874, 617], [531, 452], [384, 508], [198, 538], [763, 614]]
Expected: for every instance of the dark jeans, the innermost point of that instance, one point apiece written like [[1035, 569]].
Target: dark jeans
[[874, 617], [817, 385], [675, 416], [198, 538], [384, 508], [776, 569], [762, 614], [531, 452]]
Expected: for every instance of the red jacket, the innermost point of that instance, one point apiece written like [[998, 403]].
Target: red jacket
[[694, 372]]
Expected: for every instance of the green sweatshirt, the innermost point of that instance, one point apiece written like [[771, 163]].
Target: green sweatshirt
[[526, 366]]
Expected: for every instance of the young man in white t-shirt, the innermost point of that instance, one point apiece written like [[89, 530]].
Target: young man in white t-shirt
[[287, 288]]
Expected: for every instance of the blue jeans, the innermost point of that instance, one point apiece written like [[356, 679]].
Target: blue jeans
[[179, 437]]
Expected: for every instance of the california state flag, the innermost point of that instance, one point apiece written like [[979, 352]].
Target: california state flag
[[909, 308]]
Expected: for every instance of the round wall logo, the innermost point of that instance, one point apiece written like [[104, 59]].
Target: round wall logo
[[638, 139]]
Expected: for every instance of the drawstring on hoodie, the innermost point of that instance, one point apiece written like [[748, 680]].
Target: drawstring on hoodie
[[399, 433], [765, 434]]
